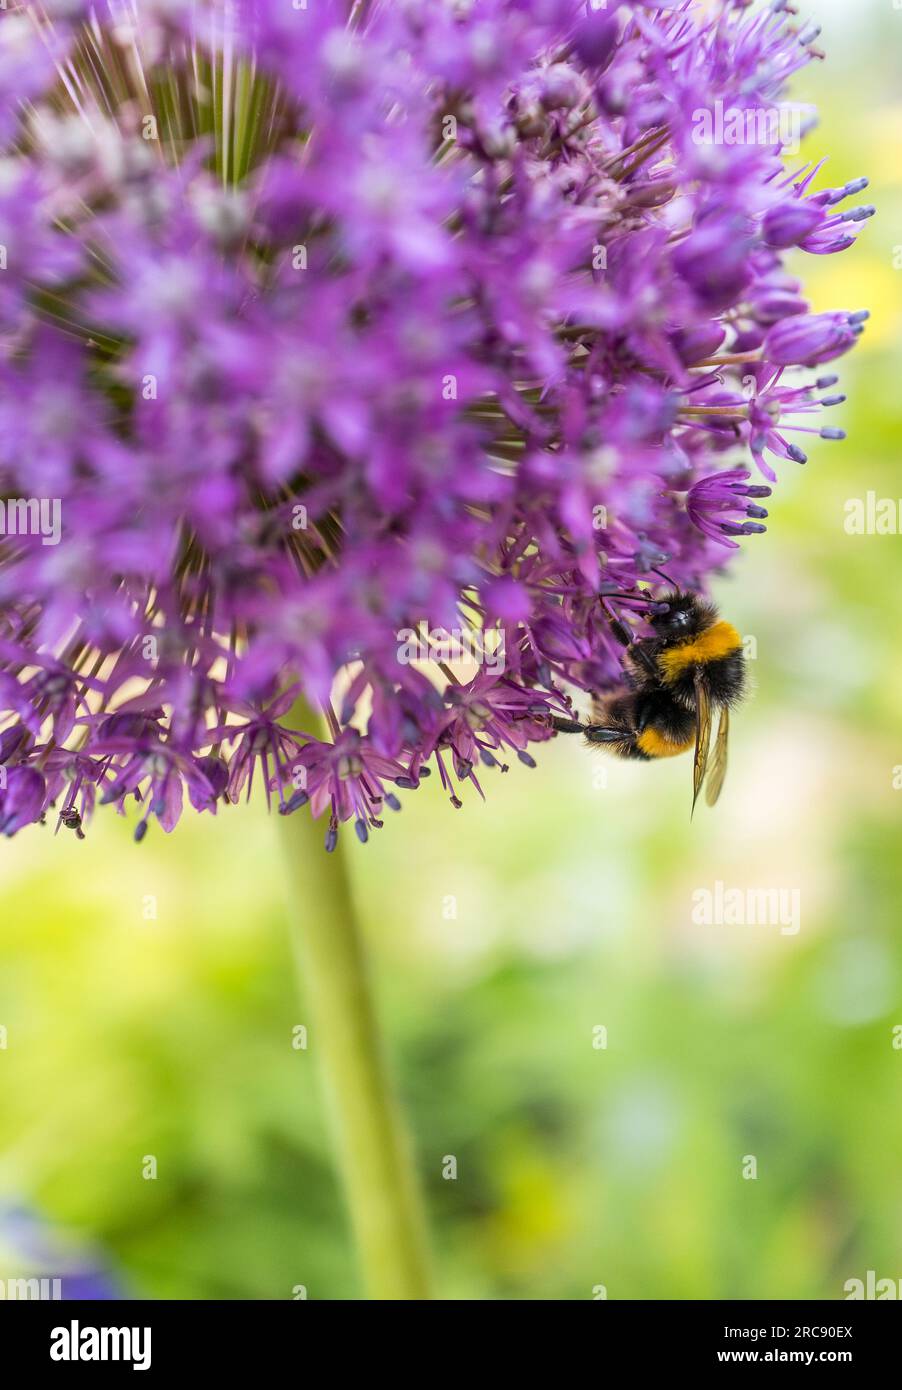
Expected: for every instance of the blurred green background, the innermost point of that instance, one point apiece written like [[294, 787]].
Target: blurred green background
[[577, 1166]]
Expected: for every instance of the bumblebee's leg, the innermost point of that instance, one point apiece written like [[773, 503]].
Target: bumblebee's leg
[[567, 726], [620, 741], [622, 634], [600, 733], [595, 733], [619, 631], [644, 712], [658, 709]]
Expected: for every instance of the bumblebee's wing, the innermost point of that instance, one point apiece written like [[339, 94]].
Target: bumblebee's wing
[[718, 758], [702, 735]]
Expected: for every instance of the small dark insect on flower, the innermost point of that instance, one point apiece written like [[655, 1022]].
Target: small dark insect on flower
[[325, 322], [71, 819]]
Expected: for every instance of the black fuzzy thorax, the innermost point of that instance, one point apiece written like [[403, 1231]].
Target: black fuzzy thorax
[[725, 679]]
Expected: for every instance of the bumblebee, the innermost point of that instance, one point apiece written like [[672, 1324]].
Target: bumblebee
[[692, 666]]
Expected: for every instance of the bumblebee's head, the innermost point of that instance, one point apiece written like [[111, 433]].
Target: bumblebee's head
[[684, 616]]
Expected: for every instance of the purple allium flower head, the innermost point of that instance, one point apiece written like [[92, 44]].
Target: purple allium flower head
[[377, 353]]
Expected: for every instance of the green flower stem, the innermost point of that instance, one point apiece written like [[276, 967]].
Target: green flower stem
[[374, 1156]]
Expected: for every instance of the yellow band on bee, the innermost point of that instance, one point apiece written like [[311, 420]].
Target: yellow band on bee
[[654, 745], [715, 642]]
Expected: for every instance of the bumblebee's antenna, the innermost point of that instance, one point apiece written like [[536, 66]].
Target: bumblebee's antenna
[[614, 591], [608, 593], [673, 584]]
